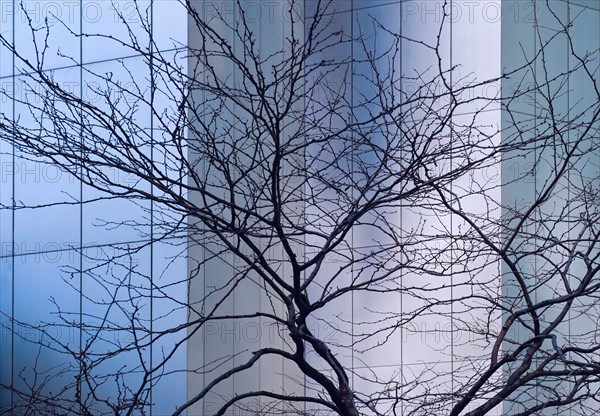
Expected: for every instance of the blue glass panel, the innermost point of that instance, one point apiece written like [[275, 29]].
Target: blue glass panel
[[169, 310], [45, 31], [46, 304], [109, 24], [108, 217], [116, 322]]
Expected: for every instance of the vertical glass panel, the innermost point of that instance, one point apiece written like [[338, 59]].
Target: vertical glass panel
[[169, 310], [333, 323], [113, 28], [169, 24], [518, 116], [45, 32], [477, 196], [116, 325], [169, 146], [7, 170], [6, 214], [376, 88], [424, 75], [329, 103], [217, 277], [46, 336], [6, 325], [6, 32], [475, 42], [421, 21], [585, 35], [384, 375], [122, 125], [420, 382], [47, 196], [584, 179]]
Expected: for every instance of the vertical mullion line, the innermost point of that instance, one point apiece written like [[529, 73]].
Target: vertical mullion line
[[452, 103], [282, 249], [204, 168], [352, 178], [401, 64], [258, 297], [304, 187], [79, 382], [569, 316], [535, 158], [152, 91], [596, 82], [234, 42], [12, 237]]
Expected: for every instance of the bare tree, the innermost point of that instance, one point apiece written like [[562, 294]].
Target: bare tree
[[332, 198]]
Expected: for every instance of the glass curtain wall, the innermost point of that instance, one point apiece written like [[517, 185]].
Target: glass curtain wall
[[554, 44], [427, 346], [74, 239], [67, 248]]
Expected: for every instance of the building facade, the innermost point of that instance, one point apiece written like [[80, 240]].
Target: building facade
[[83, 275]]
